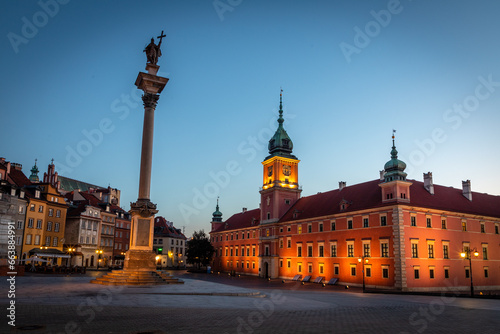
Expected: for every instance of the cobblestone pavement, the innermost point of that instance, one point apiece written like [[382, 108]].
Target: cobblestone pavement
[[72, 305]]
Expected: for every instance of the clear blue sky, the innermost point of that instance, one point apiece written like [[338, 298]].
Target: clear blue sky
[[423, 70]]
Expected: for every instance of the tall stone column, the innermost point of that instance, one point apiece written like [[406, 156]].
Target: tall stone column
[[140, 256]]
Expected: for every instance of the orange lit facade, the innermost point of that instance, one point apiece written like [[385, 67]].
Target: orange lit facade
[[399, 234]]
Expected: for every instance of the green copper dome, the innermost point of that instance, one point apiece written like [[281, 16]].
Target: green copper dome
[[34, 174], [280, 144], [394, 168], [217, 215]]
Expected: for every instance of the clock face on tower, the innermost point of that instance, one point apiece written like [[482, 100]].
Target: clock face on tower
[[269, 170], [287, 170]]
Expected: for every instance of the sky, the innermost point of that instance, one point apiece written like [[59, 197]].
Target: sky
[[351, 72]]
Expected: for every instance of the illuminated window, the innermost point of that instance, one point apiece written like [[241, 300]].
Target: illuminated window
[[299, 229], [299, 267], [384, 249], [482, 227], [443, 224], [32, 207], [485, 252], [321, 268], [430, 250], [366, 249], [350, 249], [281, 243], [288, 243], [446, 251], [414, 249], [464, 226], [334, 249]]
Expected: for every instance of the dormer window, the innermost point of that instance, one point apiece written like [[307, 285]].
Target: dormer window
[[13, 192], [37, 193], [21, 194]]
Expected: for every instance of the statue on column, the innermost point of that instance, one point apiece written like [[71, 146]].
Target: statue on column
[[153, 51]]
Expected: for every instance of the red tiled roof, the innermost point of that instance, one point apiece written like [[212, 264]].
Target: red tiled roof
[[76, 211], [368, 195], [19, 178], [161, 229], [241, 220]]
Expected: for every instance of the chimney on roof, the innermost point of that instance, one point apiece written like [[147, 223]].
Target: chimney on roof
[[466, 190], [342, 185], [382, 173], [244, 209], [428, 184], [17, 166]]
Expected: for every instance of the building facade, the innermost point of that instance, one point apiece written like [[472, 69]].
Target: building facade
[[388, 233], [169, 243]]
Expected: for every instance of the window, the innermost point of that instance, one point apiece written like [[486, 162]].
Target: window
[[429, 225], [309, 268], [253, 250], [384, 249], [21, 209], [413, 221], [299, 267], [281, 231], [464, 226], [385, 272], [486, 273], [32, 207], [226, 251], [231, 251], [281, 243], [446, 272], [253, 264], [30, 223], [299, 251], [416, 273], [349, 224], [383, 221], [467, 272], [299, 229], [58, 213], [320, 227], [288, 263], [51, 212], [268, 215], [443, 224], [431, 273], [333, 226], [49, 226], [40, 208], [446, 251], [28, 239], [309, 250], [482, 227], [267, 233], [37, 239], [19, 224], [321, 251], [365, 222], [336, 269], [496, 228], [368, 271], [281, 263], [18, 240], [366, 249], [430, 250], [54, 242], [289, 243], [334, 250], [236, 252], [353, 270], [321, 268], [288, 228], [350, 250], [414, 250], [485, 252], [309, 228], [39, 224]]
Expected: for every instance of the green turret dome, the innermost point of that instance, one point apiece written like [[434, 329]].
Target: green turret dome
[[217, 215], [394, 168], [34, 174], [280, 144]]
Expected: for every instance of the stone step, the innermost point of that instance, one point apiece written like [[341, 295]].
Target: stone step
[[132, 277]]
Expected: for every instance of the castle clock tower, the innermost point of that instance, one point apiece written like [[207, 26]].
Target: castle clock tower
[[280, 187]]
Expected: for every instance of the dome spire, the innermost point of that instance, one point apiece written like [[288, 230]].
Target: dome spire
[[34, 173], [394, 168], [217, 215], [280, 144]]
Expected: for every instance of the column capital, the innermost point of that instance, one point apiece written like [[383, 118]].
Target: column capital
[[144, 207], [150, 100]]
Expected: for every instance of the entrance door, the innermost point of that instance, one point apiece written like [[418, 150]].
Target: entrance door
[[266, 270]]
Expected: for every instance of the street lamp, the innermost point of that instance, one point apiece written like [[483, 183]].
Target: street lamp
[[364, 260], [98, 252], [468, 255]]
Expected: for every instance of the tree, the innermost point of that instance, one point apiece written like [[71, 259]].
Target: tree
[[199, 249]]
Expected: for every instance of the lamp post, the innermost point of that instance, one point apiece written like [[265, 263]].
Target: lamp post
[[468, 255], [98, 252], [363, 260]]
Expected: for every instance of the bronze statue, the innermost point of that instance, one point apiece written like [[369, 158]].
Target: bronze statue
[[153, 51]]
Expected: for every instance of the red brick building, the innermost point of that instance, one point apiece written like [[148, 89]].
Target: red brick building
[[393, 232]]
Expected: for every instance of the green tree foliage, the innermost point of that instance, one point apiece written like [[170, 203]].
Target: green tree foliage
[[199, 249]]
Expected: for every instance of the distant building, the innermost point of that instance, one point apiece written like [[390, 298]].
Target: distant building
[[390, 233], [169, 243], [122, 234]]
